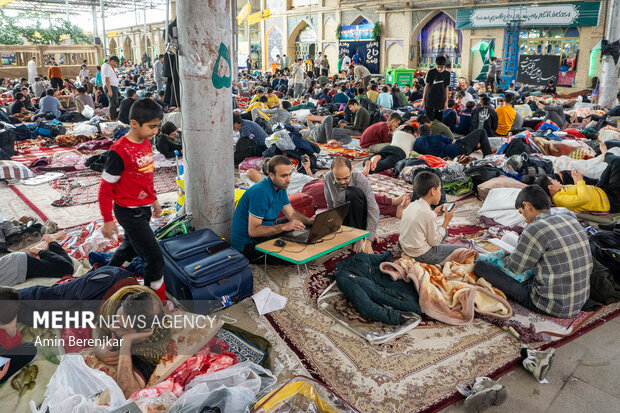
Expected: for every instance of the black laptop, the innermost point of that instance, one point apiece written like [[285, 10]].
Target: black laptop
[[325, 223]]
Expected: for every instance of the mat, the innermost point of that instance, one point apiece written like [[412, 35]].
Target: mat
[[416, 372], [387, 185], [345, 152], [28, 158], [80, 188]]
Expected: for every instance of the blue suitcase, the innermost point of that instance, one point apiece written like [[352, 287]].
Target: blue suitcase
[[204, 281]]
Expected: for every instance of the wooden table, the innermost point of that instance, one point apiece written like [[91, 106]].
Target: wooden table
[[302, 253]]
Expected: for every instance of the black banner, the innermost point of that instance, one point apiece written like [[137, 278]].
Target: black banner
[[369, 52], [538, 70]]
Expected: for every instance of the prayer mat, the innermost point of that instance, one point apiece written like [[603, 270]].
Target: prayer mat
[[82, 187], [242, 348], [345, 152], [387, 185], [28, 158]]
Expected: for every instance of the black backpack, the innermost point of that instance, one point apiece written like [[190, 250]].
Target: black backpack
[[375, 117], [604, 246], [517, 146], [244, 148], [262, 122], [482, 173], [7, 141], [71, 117]]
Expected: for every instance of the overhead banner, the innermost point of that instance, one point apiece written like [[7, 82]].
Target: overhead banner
[[244, 13], [259, 16], [538, 70], [369, 52], [361, 32], [566, 14]]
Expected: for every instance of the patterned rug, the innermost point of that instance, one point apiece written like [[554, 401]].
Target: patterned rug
[[386, 185], [416, 372], [80, 188], [345, 152], [27, 158]]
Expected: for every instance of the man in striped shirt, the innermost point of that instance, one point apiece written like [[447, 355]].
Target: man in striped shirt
[[555, 246]]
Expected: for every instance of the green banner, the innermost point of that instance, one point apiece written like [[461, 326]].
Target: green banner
[[565, 14]]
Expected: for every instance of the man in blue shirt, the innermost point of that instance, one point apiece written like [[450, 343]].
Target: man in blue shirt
[[248, 128], [443, 147], [256, 213], [50, 104]]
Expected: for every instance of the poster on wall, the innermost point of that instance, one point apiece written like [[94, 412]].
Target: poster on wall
[[360, 32], [369, 51], [440, 38], [538, 70], [274, 45]]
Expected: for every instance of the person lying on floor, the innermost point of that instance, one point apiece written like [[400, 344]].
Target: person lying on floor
[[168, 140], [555, 246], [324, 132], [258, 209], [420, 237], [437, 127], [444, 147], [11, 346], [580, 197], [379, 135], [46, 259], [142, 344], [343, 184], [402, 143], [310, 185], [276, 115]]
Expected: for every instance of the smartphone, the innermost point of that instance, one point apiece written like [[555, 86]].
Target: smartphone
[[214, 249], [448, 207]]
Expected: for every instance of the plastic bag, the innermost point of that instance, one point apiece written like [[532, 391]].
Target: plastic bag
[[88, 111], [83, 129], [74, 387], [233, 389], [159, 403], [282, 140]]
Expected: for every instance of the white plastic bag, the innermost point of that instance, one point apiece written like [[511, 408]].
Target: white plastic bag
[[84, 129], [108, 128], [88, 111], [73, 387], [281, 139]]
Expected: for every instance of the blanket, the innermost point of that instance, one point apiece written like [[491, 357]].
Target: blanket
[[592, 168], [453, 294], [27, 157], [386, 185], [346, 152]]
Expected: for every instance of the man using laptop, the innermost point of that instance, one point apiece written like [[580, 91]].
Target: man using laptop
[[342, 185], [255, 217]]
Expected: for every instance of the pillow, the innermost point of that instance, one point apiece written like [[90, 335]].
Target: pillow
[[499, 182], [14, 170]]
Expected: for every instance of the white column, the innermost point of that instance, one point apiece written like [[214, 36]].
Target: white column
[[103, 39], [610, 70], [146, 39], [205, 77], [235, 41]]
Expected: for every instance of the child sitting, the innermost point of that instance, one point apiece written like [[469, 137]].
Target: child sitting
[[420, 236], [11, 346], [169, 140]]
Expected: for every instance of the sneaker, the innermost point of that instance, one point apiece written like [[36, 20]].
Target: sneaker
[[483, 394], [537, 362]]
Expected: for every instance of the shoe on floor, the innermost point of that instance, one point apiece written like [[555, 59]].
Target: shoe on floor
[[537, 362], [483, 394]]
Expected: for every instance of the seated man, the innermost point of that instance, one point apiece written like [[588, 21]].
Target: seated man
[[131, 96], [260, 104], [272, 100], [384, 100], [506, 115], [362, 117], [437, 127], [258, 209], [251, 129], [142, 343], [388, 157], [443, 147], [450, 118], [50, 104], [46, 259], [555, 246], [341, 96], [464, 126], [11, 346], [310, 185], [168, 140], [484, 116], [342, 185], [19, 105], [379, 135], [85, 99], [420, 236]]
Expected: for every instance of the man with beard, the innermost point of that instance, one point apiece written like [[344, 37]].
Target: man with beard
[[258, 209], [342, 185]]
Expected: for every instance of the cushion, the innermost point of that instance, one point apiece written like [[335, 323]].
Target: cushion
[[499, 182], [14, 170]]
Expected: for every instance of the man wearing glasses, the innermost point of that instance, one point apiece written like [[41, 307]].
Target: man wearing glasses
[[343, 185]]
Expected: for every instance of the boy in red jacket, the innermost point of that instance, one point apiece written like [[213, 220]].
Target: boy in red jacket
[[127, 188]]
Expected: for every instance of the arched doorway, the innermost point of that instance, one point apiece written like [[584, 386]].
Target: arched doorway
[[437, 35], [331, 53], [113, 47], [128, 49], [273, 41], [303, 42]]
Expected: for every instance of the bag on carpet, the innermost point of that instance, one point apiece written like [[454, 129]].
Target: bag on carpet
[[244, 148], [604, 246], [482, 173], [50, 128], [408, 162], [7, 140], [71, 117]]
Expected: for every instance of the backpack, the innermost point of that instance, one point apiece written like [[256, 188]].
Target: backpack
[[407, 162], [7, 141], [22, 132], [262, 122], [71, 117], [482, 173], [244, 148], [375, 117], [52, 128], [604, 246], [532, 165], [517, 147]]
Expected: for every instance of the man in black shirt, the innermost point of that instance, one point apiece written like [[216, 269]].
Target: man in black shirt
[[436, 89], [125, 106], [416, 93], [484, 117]]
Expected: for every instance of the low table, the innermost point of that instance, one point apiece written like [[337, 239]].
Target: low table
[[302, 253]]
